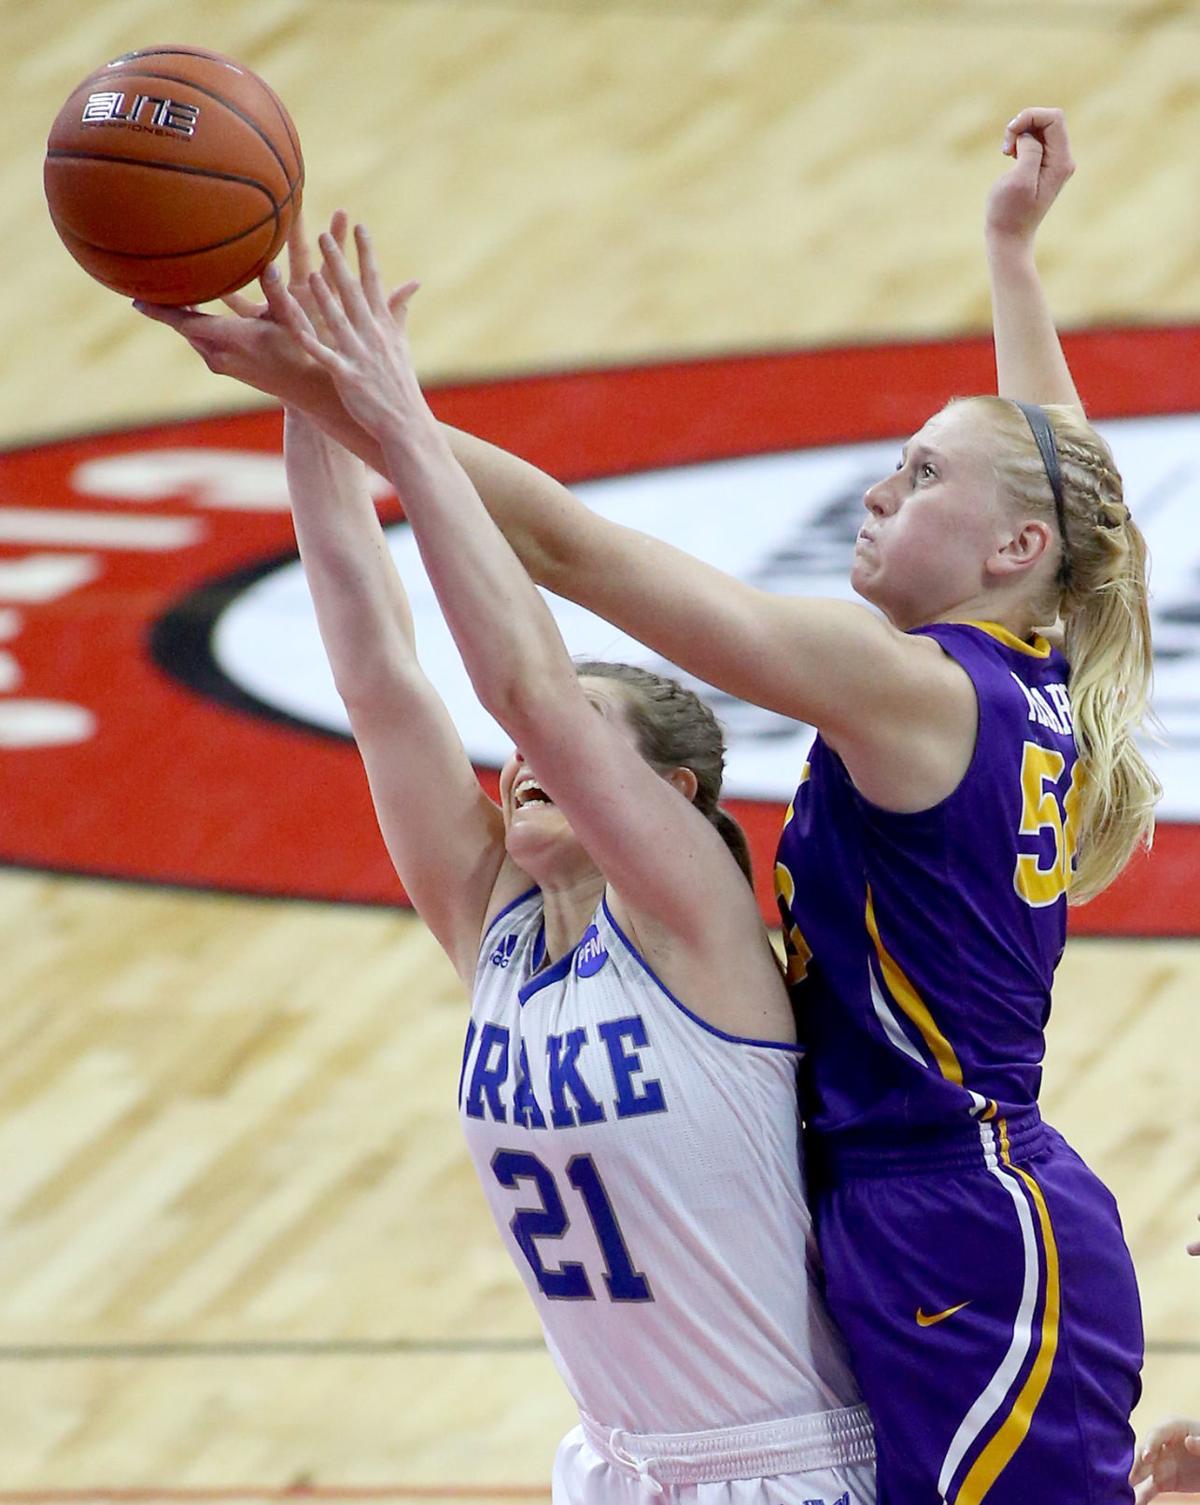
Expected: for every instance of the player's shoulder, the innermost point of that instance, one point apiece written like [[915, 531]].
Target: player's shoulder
[[731, 984], [988, 641], [515, 906], [992, 658]]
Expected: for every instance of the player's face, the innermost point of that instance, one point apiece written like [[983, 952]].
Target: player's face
[[538, 834], [932, 524]]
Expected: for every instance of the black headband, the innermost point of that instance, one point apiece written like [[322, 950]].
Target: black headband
[[1044, 437]]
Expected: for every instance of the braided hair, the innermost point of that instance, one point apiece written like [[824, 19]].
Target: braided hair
[[1100, 593], [675, 729]]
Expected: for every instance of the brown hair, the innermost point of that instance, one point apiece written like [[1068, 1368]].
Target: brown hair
[[1102, 599], [675, 729]]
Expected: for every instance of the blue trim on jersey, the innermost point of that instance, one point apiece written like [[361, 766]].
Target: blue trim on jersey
[[508, 909], [797, 1050], [554, 973], [539, 947]]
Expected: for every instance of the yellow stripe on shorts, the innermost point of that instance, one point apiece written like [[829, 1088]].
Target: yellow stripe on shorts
[[988, 1467]]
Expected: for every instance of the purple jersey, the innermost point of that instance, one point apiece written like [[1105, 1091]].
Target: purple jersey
[[921, 948]]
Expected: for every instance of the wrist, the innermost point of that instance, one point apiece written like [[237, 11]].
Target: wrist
[[412, 434], [305, 389], [301, 429], [1010, 248]]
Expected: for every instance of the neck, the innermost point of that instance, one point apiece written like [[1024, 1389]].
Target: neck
[[1015, 616], [568, 906]]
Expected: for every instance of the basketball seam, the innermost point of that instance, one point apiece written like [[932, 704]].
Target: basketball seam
[[286, 121], [169, 256], [217, 245], [173, 78], [208, 57], [175, 255], [277, 207], [60, 155]]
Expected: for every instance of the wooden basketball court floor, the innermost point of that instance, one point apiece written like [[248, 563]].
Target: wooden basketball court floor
[[243, 1253]]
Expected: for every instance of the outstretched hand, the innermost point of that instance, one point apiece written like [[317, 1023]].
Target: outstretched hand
[[251, 343], [1168, 1462], [359, 335], [1037, 141]]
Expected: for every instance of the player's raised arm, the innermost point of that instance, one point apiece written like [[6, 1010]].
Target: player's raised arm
[[1030, 364], [636, 822], [444, 835], [250, 345], [833, 664]]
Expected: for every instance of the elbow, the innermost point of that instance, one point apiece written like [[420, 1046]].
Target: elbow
[[523, 700], [551, 562], [372, 686], [512, 703], [556, 550], [568, 555]]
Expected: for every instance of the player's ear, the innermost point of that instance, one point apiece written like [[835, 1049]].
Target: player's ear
[[685, 781], [1021, 548]]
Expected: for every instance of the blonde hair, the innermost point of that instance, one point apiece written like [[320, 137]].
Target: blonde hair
[[1100, 593]]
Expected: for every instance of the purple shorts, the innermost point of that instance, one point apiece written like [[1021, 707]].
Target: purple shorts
[[989, 1302]]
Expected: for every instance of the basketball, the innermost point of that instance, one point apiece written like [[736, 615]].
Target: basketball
[[172, 174]]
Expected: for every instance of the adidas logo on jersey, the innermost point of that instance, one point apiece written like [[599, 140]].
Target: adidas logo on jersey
[[842, 1499], [504, 951]]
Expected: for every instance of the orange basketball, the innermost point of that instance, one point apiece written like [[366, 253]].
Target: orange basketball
[[172, 174]]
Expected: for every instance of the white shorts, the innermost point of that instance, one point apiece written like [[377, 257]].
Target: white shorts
[[827, 1459]]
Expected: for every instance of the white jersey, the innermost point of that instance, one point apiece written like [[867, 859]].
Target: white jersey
[[644, 1171]]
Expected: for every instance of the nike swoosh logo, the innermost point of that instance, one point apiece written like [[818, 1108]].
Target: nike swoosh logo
[[931, 1319]]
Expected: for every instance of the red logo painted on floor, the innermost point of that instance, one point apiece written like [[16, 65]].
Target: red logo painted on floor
[[158, 721]]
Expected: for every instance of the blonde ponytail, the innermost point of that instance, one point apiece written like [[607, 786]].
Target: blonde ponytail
[[1106, 616], [1100, 594]]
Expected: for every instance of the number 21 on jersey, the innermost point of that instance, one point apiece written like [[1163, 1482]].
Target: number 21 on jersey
[[1044, 808], [569, 1280]]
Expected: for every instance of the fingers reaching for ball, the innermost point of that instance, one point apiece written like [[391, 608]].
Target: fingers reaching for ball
[[328, 324], [299, 248], [358, 333], [365, 297], [353, 293], [398, 300], [299, 272], [299, 255], [368, 271], [243, 307]]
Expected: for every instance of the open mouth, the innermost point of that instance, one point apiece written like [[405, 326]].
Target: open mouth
[[527, 793]]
